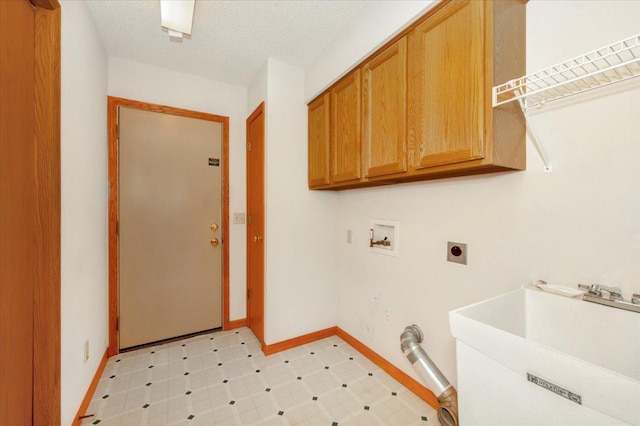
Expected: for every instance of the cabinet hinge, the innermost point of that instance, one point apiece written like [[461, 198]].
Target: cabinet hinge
[[248, 146]]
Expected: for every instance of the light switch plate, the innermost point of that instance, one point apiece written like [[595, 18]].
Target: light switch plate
[[457, 252]]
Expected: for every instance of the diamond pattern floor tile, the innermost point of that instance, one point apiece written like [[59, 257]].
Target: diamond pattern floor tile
[[223, 378]]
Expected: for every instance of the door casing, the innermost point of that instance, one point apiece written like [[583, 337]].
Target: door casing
[[30, 221], [112, 125]]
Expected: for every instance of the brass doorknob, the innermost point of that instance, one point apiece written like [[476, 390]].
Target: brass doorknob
[[214, 227], [214, 242], [257, 239]]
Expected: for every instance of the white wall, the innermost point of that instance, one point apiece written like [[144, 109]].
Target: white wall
[[300, 289], [133, 80], [257, 91], [377, 22], [84, 203], [577, 224]]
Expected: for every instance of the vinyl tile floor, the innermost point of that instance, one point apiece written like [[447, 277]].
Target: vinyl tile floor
[[223, 378]]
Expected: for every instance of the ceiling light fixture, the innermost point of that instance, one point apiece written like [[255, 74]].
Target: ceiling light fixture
[[177, 16]]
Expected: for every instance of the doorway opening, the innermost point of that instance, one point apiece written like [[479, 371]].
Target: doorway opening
[[164, 233]]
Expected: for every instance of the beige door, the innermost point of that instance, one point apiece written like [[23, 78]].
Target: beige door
[[169, 225]]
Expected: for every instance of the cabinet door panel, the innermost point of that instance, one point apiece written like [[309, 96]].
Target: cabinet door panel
[[385, 111], [449, 89], [345, 129], [319, 142]]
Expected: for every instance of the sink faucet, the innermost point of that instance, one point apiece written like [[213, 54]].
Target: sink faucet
[[597, 289], [594, 294]]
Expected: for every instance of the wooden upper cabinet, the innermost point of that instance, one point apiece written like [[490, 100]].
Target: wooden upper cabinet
[[423, 102], [345, 129], [448, 91], [384, 99], [319, 142]]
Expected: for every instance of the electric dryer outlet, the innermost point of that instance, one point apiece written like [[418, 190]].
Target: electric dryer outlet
[[457, 252]]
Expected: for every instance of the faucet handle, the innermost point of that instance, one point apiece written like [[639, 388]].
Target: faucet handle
[[635, 299], [593, 289], [614, 292], [617, 297]]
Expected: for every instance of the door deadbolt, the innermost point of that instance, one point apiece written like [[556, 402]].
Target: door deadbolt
[[214, 227], [214, 242], [257, 239]]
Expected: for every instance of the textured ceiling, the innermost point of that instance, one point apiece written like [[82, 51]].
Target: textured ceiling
[[230, 40]]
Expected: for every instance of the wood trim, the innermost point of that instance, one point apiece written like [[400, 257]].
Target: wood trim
[[46, 327], [407, 381], [46, 4], [298, 341], [112, 122], [90, 391], [231, 325], [18, 217], [146, 106], [226, 242]]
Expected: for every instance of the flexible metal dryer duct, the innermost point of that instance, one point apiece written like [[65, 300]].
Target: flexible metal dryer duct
[[410, 340]]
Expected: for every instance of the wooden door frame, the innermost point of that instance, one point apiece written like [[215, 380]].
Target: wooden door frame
[[260, 110], [44, 234], [47, 291], [112, 122]]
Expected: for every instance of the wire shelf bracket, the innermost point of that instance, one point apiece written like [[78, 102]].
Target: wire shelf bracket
[[607, 65]]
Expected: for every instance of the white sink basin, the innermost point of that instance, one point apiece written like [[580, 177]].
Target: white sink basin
[[582, 350]]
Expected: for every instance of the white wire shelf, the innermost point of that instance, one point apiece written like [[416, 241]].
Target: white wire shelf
[[610, 64]]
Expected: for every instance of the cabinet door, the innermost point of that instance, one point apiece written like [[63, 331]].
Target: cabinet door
[[319, 142], [385, 111], [345, 129], [448, 92]]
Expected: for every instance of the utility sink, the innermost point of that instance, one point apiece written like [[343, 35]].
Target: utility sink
[[535, 358]]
